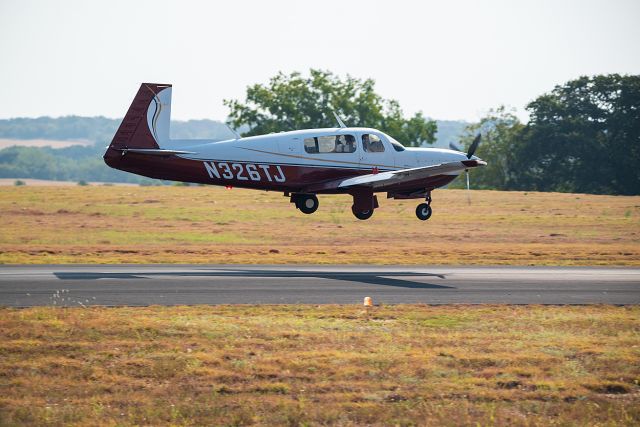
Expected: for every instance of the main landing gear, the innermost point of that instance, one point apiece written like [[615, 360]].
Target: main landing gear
[[366, 214], [424, 211], [362, 208], [364, 203], [307, 203]]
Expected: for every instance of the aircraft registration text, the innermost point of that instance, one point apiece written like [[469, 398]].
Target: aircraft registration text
[[244, 171]]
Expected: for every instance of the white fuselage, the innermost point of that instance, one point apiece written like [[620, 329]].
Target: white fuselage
[[288, 148]]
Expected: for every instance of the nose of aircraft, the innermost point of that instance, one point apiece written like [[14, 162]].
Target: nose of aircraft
[[430, 157], [458, 156]]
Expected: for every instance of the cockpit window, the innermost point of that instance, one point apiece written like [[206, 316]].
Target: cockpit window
[[330, 144], [372, 143], [395, 144]]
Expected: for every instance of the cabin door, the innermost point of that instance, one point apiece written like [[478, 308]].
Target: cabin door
[[374, 152]]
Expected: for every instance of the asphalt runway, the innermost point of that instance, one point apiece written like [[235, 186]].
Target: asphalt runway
[[133, 285]]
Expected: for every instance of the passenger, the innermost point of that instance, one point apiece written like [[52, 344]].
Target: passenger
[[349, 148], [350, 145]]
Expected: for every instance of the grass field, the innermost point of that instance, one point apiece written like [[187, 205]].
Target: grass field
[[324, 365], [102, 224]]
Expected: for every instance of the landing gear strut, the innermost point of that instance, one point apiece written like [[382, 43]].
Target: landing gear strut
[[424, 211], [364, 203], [307, 203]]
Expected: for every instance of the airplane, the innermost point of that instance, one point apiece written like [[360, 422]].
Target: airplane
[[301, 163]]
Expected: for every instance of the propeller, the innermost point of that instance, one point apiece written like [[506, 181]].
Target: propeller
[[472, 149], [474, 146], [454, 147]]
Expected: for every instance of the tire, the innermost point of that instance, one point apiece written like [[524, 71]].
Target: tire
[[423, 211], [362, 215], [307, 203]]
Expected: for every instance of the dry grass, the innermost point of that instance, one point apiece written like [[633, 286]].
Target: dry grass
[[324, 365], [213, 225]]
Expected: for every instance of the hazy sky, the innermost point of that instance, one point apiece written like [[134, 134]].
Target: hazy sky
[[449, 59]]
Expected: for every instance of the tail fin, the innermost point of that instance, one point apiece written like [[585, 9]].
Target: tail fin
[[146, 124]]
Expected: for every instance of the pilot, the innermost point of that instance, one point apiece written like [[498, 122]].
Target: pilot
[[376, 146], [365, 142]]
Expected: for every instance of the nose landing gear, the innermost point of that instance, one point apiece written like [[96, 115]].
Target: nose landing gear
[[424, 211]]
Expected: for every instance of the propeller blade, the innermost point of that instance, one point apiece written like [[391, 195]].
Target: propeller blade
[[454, 147], [466, 171], [474, 146]]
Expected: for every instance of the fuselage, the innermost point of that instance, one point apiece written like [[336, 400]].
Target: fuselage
[[289, 161]]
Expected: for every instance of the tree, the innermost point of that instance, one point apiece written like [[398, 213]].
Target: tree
[[584, 136], [290, 102], [500, 130]]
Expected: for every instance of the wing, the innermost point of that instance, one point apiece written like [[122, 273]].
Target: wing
[[376, 181]]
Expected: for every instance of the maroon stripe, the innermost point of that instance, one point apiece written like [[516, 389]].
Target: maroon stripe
[[296, 178]]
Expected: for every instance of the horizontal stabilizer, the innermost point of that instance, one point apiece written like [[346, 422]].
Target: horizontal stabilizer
[[153, 151]]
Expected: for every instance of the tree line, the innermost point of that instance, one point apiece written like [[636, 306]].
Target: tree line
[[582, 136]]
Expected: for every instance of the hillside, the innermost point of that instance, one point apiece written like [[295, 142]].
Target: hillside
[[70, 148], [99, 130]]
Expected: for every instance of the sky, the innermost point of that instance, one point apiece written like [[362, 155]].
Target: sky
[[452, 60]]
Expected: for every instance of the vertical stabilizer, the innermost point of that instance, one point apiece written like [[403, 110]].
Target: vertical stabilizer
[[146, 124]]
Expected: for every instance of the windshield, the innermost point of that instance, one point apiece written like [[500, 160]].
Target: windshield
[[396, 145]]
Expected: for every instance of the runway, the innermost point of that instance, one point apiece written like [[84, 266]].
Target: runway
[[134, 285]]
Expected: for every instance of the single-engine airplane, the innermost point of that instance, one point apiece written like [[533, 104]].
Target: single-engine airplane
[[301, 163]]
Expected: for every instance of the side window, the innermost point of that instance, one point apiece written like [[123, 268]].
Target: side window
[[311, 145], [372, 143], [330, 144], [345, 144]]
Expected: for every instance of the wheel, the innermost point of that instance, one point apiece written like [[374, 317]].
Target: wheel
[[307, 203], [362, 214], [423, 211]]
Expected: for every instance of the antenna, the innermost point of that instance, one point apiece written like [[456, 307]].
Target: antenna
[[233, 130], [340, 122]]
